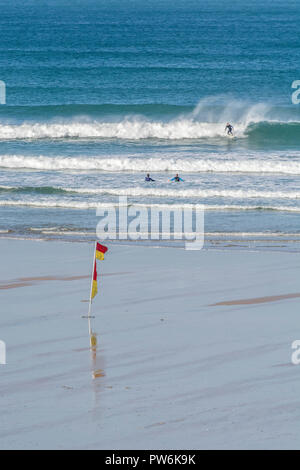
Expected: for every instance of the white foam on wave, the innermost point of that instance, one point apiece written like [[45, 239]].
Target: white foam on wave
[[154, 165], [188, 193], [94, 205], [206, 121], [169, 192], [127, 129]]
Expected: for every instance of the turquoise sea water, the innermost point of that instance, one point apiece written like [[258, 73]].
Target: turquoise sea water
[[100, 92]]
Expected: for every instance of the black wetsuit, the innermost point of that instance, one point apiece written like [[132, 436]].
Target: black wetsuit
[[230, 129]]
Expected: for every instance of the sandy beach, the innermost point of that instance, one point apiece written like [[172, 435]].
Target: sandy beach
[[194, 348]]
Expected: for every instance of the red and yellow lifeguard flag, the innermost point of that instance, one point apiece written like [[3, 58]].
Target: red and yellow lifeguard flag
[[94, 286], [100, 250]]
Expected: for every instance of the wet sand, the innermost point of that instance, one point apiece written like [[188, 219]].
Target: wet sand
[[177, 364]]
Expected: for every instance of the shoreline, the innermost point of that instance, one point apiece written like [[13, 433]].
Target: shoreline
[[284, 243]]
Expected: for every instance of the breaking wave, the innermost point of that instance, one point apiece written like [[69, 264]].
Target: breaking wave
[[155, 165], [127, 129], [82, 205], [207, 120], [156, 192]]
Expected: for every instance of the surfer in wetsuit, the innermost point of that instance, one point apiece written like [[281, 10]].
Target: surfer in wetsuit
[[147, 178], [229, 129], [176, 178]]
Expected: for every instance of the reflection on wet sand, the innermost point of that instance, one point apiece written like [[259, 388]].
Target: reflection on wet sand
[[96, 371]]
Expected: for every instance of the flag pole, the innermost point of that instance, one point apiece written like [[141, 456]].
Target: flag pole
[[90, 303]]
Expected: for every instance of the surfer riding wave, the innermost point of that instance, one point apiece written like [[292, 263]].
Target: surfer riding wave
[[229, 129]]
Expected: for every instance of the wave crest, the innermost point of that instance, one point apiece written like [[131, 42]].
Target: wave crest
[[154, 165], [167, 122], [156, 192], [80, 205]]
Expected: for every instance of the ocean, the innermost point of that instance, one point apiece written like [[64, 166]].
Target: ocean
[[98, 93]]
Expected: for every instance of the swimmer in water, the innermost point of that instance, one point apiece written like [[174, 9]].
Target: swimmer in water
[[176, 178], [147, 178]]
